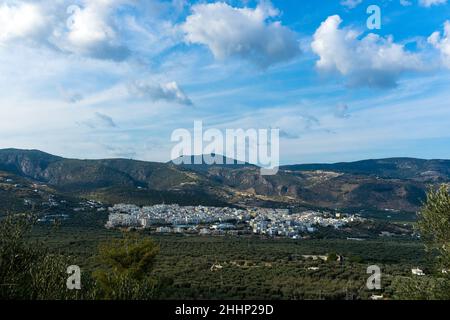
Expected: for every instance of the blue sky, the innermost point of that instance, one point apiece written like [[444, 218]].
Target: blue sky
[[114, 78]]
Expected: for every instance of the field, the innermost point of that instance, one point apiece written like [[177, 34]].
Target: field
[[196, 267]]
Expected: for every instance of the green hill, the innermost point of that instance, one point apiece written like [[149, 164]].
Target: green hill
[[394, 184]]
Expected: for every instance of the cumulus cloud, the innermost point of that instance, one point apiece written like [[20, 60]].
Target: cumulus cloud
[[91, 31], [351, 3], [246, 33], [442, 43], [369, 61], [21, 21], [429, 3], [88, 30], [405, 3], [169, 91]]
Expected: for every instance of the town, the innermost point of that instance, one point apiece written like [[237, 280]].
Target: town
[[172, 218]]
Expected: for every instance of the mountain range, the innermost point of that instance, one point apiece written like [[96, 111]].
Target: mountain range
[[394, 184]]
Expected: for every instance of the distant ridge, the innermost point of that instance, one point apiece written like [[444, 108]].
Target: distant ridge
[[361, 166], [404, 168], [392, 183]]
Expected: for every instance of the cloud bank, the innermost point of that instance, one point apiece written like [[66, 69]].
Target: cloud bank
[[92, 32], [241, 32], [371, 61]]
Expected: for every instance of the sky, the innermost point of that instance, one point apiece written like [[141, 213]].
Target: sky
[[115, 78]]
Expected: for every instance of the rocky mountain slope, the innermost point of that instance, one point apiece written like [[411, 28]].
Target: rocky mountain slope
[[397, 183]]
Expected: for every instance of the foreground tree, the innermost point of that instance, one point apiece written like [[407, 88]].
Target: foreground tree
[[434, 228], [434, 225], [28, 271], [126, 269]]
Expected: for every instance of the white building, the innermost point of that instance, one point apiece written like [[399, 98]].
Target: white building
[[417, 272]]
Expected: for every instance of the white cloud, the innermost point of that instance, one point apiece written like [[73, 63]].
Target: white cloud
[[88, 29], [241, 32], [369, 61], [351, 3], [91, 31], [442, 43], [21, 21], [429, 3], [169, 91]]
